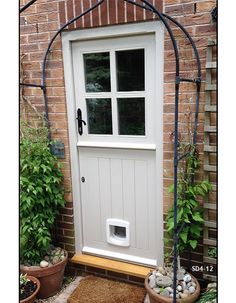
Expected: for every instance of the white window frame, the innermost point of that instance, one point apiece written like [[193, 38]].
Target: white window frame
[[142, 28], [111, 46]]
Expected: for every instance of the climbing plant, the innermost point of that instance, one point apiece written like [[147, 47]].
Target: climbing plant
[[189, 193]]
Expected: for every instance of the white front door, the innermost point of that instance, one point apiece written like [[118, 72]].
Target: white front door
[[115, 93]]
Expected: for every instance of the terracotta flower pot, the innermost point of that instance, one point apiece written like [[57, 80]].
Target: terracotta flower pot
[[32, 298], [50, 278], [157, 298]]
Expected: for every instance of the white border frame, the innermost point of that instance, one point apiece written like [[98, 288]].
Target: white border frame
[[142, 28]]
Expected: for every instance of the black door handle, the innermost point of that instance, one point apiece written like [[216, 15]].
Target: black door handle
[[80, 121]]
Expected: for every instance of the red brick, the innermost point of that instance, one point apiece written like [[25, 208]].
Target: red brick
[[205, 30], [23, 39], [28, 28], [69, 226], [173, 2], [68, 197], [70, 248], [36, 56], [112, 11], [56, 73], [68, 219], [69, 233], [58, 91], [27, 48], [87, 20], [78, 11], [130, 12], [22, 20], [55, 82], [139, 13], [159, 5], [66, 211], [195, 19], [54, 64], [121, 11], [182, 9], [56, 99], [36, 74], [38, 18], [205, 6], [30, 10], [62, 15], [68, 240], [47, 27], [46, 7], [38, 37], [56, 55], [104, 13], [52, 16], [70, 14], [95, 15]]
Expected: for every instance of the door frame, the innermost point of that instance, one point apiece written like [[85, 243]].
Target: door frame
[[142, 28]]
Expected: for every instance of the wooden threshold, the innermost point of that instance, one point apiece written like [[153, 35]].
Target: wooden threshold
[[112, 265]]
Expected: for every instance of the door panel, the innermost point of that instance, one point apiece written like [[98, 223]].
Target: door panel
[[118, 184]]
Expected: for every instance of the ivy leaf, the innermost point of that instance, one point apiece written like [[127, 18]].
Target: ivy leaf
[[195, 230], [186, 220], [193, 202], [171, 188], [179, 215], [170, 225], [197, 217], [184, 237], [200, 191], [193, 243]]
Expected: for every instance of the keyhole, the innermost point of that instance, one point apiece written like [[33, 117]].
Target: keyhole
[[83, 179]]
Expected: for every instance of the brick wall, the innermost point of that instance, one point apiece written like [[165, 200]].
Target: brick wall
[[40, 22]]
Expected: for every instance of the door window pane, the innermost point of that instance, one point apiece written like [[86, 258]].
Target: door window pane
[[130, 70], [99, 116], [97, 72], [131, 116]]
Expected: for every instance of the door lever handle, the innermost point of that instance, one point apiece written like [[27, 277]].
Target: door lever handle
[[80, 121]]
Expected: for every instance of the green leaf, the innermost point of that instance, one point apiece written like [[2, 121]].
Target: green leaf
[[193, 243], [200, 191], [170, 225], [179, 215], [171, 188], [197, 217], [184, 237], [195, 229], [186, 220], [193, 202]]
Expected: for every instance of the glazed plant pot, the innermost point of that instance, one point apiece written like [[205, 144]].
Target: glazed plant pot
[[50, 278], [32, 298], [157, 298]]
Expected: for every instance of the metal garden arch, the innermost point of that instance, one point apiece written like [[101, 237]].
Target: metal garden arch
[[178, 79]]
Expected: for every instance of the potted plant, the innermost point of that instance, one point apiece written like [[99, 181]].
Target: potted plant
[[189, 224], [41, 196], [29, 287]]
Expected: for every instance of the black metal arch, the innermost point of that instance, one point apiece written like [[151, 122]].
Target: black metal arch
[[178, 79]]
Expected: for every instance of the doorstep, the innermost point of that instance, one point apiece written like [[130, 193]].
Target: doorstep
[[64, 294], [111, 265]]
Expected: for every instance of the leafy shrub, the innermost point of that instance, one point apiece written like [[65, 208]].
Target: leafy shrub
[[190, 213], [41, 195]]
